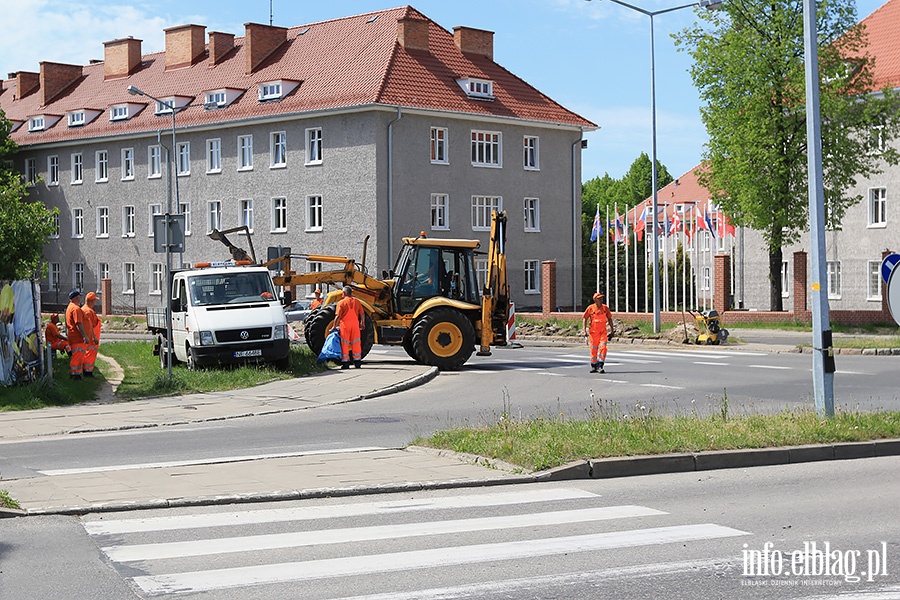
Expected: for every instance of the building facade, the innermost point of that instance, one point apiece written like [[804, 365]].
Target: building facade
[[317, 138]]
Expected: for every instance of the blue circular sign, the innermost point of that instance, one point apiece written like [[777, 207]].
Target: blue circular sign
[[887, 265]]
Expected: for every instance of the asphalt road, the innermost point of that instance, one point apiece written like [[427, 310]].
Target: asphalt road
[[688, 535]]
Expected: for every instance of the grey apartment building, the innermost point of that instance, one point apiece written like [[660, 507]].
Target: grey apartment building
[[382, 125]]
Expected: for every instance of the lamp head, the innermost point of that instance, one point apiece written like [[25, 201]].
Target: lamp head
[[134, 91]]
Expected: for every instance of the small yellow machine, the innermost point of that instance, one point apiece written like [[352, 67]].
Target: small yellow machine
[[710, 327]]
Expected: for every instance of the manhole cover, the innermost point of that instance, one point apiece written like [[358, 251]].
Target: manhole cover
[[379, 420]]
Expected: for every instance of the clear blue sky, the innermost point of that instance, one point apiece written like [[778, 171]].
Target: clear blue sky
[[592, 57]]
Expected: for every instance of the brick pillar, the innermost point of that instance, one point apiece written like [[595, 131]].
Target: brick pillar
[[722, 283], [548, 287], [106, 297], [800, 283]]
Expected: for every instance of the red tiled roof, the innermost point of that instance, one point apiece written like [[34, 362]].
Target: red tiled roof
[[884, 44], [684, 190], [341, 63]]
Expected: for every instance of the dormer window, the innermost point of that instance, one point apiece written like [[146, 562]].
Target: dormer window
[[118, 112], [36, 124], [164, 106], [217, 98], [480, 89], [270, 91], [76, 118]]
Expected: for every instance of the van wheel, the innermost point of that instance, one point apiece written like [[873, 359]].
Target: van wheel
[[191, 360]]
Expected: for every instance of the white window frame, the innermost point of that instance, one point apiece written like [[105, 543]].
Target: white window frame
[[217, 97], [314, 212], [102, 221], [532, 269], [440, 146], [77, 223], [76, 118], [833, 276], [118, 112], [270, 90], [152, 209], [129, 278], [55, 220], [53, 282], [245, 152], [77, 168], [479, 89], [164, 106], [101, 166], [531, 154], [102, 271], [154, 161], [78, 275], [877, 207], [314, 150], [482, 207], [157, 277], [279, 215], [245, 213], [127, 164], [184, 208], [214, 155], [53, 170], [487, 149], [481, 271], [313, 267], [440, 212], [213, 215], [30, 171], [128, 221], [532, 210], [277, 150], [36, 123], [183, 159], [873, 285]]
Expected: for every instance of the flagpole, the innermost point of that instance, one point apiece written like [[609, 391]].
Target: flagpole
[[616, 250], [627, 277], [666, 257], [636, 296], [597, 218], [606, 289], [647, 264]]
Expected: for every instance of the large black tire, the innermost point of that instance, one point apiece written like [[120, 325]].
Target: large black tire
[[408, 346], [443, 338], [315, 328]]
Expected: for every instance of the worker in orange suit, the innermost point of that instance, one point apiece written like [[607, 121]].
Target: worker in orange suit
[[77, 334], [92, 328], [597, 317], [53, 337], [317, 301], [350, 319]]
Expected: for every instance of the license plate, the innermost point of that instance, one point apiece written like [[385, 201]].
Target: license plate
[[247, 353]]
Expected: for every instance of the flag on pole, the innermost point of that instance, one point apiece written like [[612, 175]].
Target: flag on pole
[[729, 226], [595, 230], [676, 223], [701, 221], [709, 225], [619, 233], [640, 224]]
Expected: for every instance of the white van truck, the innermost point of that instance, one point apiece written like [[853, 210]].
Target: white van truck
[[222, 313]]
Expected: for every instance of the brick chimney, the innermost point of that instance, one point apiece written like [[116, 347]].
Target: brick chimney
[[474, 41], [220, 44], [260, 42], [26, 82], [55, 77], [412, 34], [184, 45], [121, 57]]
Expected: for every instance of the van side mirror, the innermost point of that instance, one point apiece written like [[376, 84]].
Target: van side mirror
[[286, 298]]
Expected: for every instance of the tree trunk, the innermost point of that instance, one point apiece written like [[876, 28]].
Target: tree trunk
[[775, 260]]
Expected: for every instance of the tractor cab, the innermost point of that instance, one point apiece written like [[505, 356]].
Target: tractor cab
[[428, 268]]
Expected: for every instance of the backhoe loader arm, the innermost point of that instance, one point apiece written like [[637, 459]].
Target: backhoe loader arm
[[237, 253], [495, 296]]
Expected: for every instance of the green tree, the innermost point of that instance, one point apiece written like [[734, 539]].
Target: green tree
[[24, 226], [637, 185], [749, 70]]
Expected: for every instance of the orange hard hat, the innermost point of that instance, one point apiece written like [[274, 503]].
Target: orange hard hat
[[598, 296]]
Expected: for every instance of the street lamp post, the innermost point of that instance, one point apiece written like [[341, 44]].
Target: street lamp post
[[653, 180], [134, 91]]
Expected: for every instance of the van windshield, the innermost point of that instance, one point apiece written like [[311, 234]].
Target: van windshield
[[230, 288]]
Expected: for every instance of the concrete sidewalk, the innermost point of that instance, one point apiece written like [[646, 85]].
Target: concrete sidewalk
[[241, 479]]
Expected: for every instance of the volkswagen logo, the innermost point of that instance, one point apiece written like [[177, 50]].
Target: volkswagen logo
[[245, 335]]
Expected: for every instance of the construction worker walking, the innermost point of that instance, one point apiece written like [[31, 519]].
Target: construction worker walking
[[92, 328], [350, 319], [597, 317], [77, 334], [53, 337]]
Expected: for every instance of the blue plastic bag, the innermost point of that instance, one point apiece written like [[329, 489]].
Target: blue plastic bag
[[331, 349]]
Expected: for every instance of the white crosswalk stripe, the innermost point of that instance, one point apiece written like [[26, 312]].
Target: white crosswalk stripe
[[184, 554]]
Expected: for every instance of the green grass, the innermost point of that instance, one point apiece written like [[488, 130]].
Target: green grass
[[144, 377], [62, 391], [6, 501], [542, 443]]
